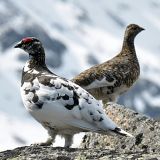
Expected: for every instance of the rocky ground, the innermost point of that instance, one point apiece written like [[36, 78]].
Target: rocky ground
[[145, 145]]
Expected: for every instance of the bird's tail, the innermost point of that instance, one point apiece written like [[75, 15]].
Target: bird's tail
[[121, 132]]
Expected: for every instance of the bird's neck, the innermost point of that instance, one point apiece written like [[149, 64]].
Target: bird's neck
[[38, 59], [128, 45], [36, 62]]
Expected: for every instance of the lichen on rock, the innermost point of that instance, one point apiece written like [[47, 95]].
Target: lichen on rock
[[144, 129]]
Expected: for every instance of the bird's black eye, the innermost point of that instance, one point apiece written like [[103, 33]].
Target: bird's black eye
[[35, 40]]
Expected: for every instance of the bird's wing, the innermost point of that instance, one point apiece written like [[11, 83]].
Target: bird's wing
[[76, 105], [91, 79]]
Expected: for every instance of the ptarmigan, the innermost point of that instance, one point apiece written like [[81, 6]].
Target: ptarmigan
[[108, 80], [61, 106]]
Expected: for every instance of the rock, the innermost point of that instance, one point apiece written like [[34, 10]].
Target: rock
[[145, 145], [145, 130], [57, 153]]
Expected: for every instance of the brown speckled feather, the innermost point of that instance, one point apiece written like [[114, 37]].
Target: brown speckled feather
[[108, 80]]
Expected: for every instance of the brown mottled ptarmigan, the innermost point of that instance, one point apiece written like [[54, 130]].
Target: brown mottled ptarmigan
[[61, 106], [108, 80]]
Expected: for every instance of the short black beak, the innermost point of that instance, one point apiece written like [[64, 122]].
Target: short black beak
[[18, 45], [142, 29]]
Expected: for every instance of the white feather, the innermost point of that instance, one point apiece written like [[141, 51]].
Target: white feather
[[54, 111], [99, 83]]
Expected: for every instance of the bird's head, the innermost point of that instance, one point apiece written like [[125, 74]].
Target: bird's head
[[132, 30], [30, 45]]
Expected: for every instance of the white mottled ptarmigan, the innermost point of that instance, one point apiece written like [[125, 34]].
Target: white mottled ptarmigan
[[61, 106], [108, 80]]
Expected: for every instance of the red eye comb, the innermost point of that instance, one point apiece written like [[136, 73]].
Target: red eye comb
[[27, 39]]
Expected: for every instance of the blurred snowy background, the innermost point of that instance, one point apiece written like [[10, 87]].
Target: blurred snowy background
[[76, 35]]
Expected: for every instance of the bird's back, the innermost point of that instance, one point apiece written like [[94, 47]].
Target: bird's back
[[113, 76]]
